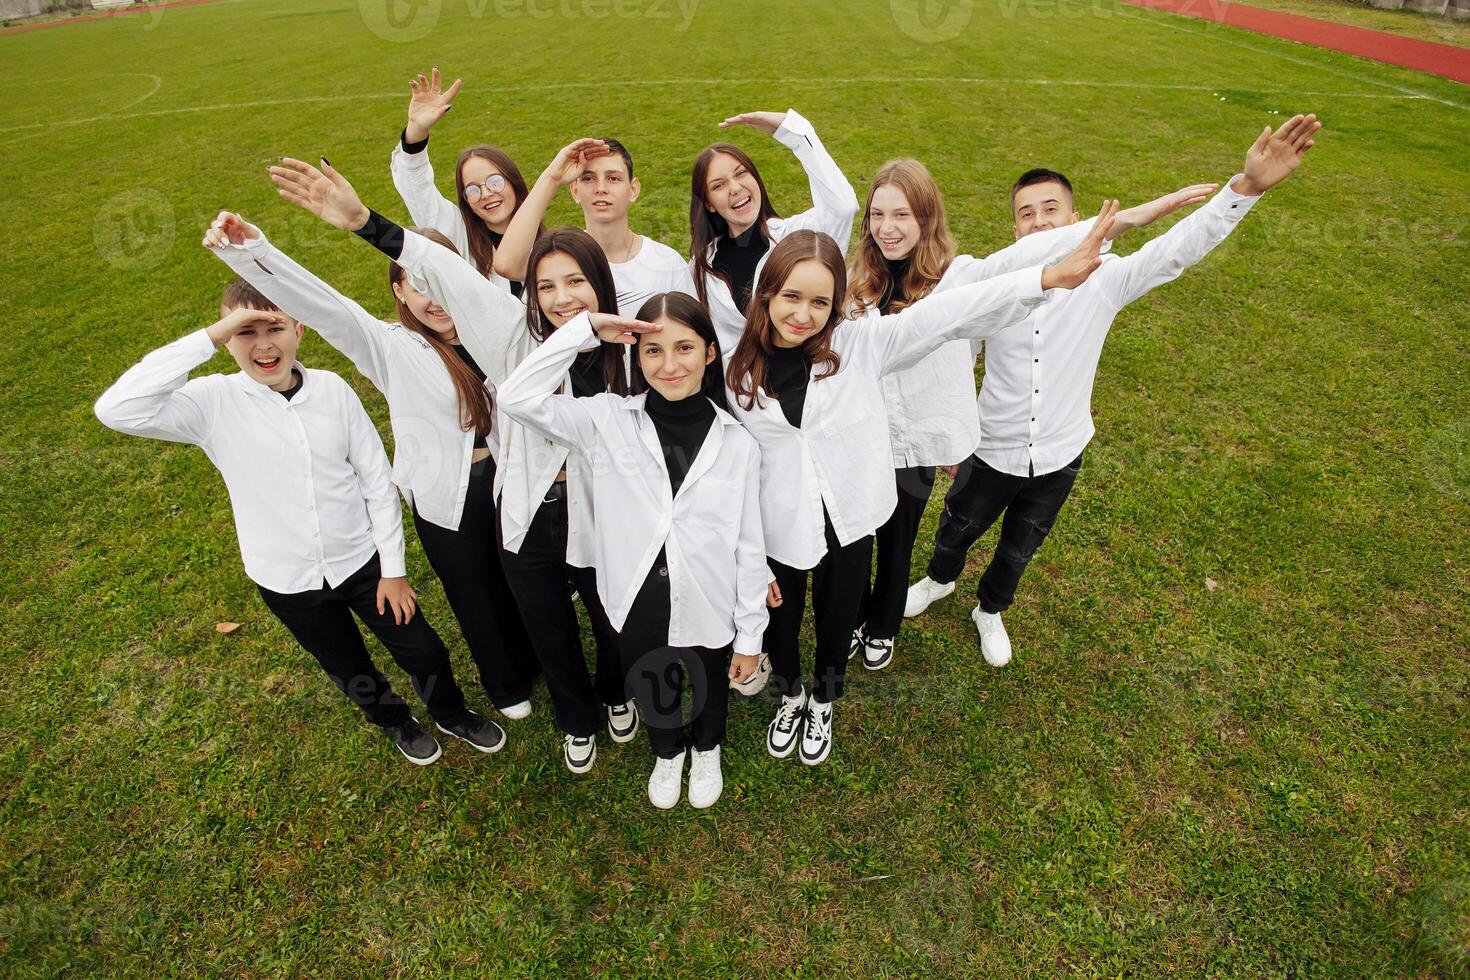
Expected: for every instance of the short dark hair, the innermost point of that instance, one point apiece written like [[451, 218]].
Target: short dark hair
[[1039, 175], [621, 151], [240, 293]]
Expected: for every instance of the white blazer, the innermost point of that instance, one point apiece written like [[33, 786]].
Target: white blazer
[[834, 205], [413, 178], [840, 459], [491, 323], [932, 419], [710, 531], [432, 452]]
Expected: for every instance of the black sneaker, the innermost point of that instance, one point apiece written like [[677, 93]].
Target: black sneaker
[[480, 732], [417, 745]]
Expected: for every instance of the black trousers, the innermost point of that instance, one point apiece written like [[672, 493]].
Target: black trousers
[[321, 621], [883, 599], [658, 674], [980, 494], [837, 591], [541, 581], [468, 564]]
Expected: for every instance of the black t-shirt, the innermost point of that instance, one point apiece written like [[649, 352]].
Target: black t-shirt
[[290, 392], [736, 258]]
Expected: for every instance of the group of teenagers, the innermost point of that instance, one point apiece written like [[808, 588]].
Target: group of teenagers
[[685, 447]]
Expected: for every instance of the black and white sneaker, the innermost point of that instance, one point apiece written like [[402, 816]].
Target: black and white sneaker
[[622, 721], [816, 733], [877, 654], [579, 752], [859, 641], [417, 745], [785, 728], [481, 733]]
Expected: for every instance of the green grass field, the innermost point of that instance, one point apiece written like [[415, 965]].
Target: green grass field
[[1267, 777]]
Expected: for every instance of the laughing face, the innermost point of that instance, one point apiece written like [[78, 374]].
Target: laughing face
[[803, 304], [892, 224], [428, 312], [265, 351], [495, 207], [731, 192], [562, 290]]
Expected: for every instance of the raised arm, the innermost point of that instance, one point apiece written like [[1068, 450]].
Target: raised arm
[[1271, 159], [514, 249], [413, 175], [529, 395], [155, 398], [489, 320], [977, 310], [341, 322], [834, 202]]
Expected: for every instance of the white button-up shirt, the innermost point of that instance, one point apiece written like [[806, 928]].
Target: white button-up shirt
[[840, 458], [413, 178], [432, 452], [491, 324], [834, 205], [931, 406], [710, 531], [308, 479], [1036, 397]]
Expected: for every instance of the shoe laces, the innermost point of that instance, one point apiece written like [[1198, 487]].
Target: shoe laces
[[790, 713]]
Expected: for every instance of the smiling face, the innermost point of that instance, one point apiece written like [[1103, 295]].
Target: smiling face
[[803, 304], [604, 190], [731, 191], [426, 311], [265, 351], [673, 360], [496, 207], [1038, 207], [892, 223], [562, 289]]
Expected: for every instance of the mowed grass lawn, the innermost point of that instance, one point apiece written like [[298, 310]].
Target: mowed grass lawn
[[1233, 740]]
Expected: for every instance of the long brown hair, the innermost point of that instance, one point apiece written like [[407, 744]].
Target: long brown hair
[[705, 224], [475, 410], [683, 308], [482, 245], [870, 280], [746, 374], [583, 249]]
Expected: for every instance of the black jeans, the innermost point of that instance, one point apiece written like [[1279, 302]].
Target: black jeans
[[541, 581], [837, 591], [468, 564], [321, 621], [979, 495], [883, 600], [658, 673]]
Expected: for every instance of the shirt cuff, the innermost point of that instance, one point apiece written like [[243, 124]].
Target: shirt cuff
[[579, 329], [1228, 201], [795, 131], [747, 644], [412, 148], [383, 234], [198, 344], [392, 566]]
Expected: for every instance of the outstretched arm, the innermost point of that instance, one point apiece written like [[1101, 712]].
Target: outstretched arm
[[834, 202], [413, 175], [514, 249]]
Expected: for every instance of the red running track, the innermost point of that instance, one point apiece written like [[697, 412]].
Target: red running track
[[1444, 60], [148, 8]]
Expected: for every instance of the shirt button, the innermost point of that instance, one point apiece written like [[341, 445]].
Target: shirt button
[[1036, 360], [663, 572]]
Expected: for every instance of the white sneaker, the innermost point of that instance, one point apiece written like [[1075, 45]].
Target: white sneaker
[[994, 643], [667, 781], [816, 733], [622, 722], [877, 654], [859, 639], [706, 782], [923, 594], [785, 728], [579, 752], [517, 711]]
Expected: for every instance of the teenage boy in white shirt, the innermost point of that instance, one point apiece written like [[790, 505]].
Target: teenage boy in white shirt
[[316, 513], [600, 175], [1036, 397]]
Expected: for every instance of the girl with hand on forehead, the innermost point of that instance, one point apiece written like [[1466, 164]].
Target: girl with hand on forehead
[[680, 553], [543, 492], [488, 185], [811, 395], [733, 224], [441, 414]]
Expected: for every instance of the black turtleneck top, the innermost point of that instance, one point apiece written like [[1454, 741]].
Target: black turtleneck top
[[897, 270], [682, 427], [787, 374], [736, 258]]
